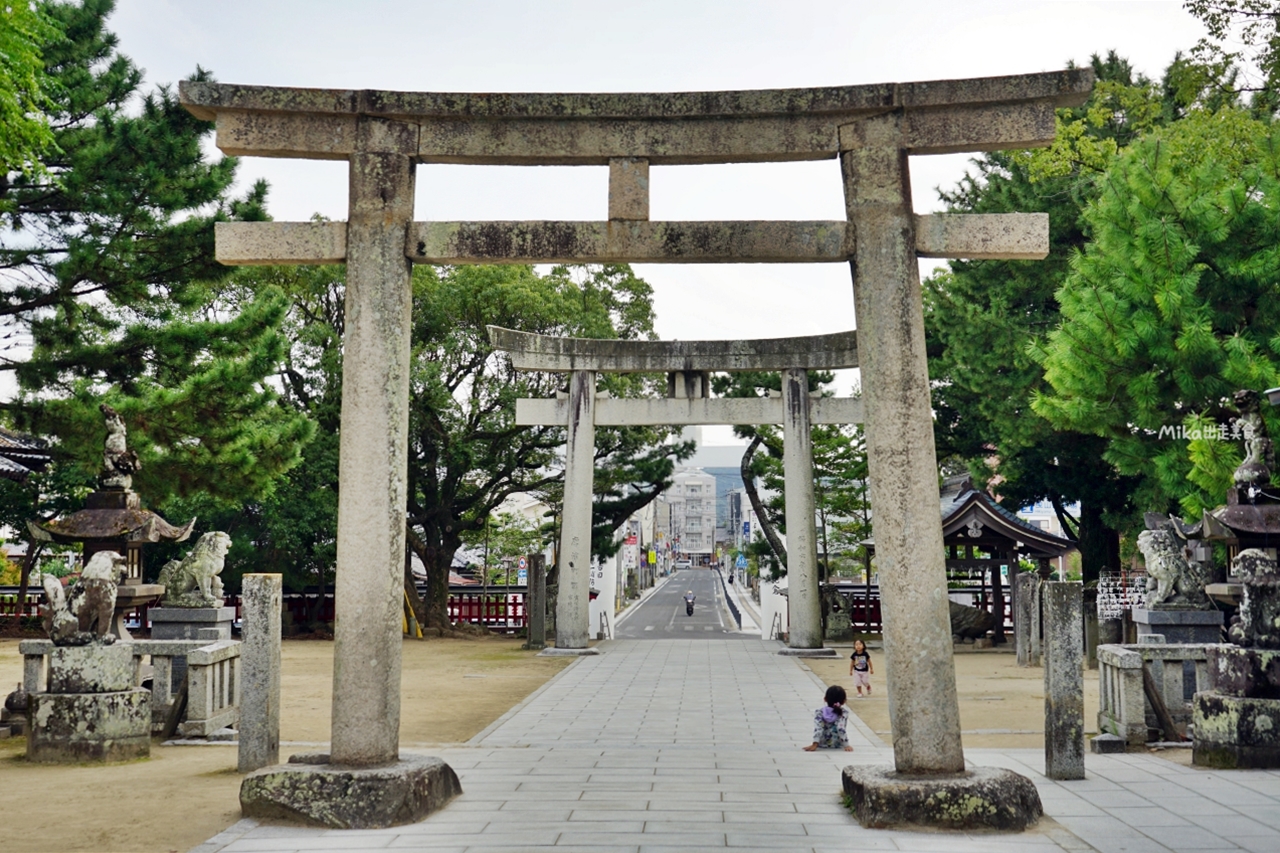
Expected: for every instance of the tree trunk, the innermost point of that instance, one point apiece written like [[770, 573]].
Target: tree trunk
[[1099, 545], [749, 483], [434, 613], [24, 578], [411, 589]]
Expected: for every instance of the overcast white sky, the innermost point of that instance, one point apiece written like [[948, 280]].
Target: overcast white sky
[[588, 45]]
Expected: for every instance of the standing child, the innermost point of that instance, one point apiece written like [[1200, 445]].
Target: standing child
[[830, 722], [860, 667]]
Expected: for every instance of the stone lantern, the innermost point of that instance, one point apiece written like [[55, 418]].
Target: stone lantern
[[113, 520]]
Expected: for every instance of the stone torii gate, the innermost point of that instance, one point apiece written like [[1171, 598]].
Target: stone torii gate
[[688, 365], [872, 129]]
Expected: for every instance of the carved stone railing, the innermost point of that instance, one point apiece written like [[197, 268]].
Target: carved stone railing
[[213, 685], [213, 691], [1124, 709]]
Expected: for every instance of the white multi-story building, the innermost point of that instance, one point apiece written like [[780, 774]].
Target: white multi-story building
[[692, 506]]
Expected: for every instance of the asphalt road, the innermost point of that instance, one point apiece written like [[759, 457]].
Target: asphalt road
[[662, 615]]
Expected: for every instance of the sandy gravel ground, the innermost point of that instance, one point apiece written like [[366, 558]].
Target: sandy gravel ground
[[1001, 704], [182, 795]]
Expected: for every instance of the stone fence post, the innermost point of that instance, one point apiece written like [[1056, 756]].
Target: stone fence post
[[260, 672], [536, 605], [1063, 680], [1026, 618]]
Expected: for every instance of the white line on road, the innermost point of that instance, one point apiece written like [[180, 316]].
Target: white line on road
[[648, 627]]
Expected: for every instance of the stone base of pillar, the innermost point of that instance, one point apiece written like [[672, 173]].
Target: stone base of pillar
[[311, 791], [1180, 626], [1235, 732], [988, 798], [554, 652], [809, 653]]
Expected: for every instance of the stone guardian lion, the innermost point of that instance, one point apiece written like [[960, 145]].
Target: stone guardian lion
[[1172, 582], [83, 615], [193, 581]]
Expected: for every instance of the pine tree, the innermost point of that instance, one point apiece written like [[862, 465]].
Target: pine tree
[[106, 270], [1173, 306]]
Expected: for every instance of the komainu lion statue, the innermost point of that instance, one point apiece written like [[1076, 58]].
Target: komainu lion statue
[[193, 581], [83, 615], [1172, 582]]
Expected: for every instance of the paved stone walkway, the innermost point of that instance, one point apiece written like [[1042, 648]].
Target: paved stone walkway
[[690, 745]]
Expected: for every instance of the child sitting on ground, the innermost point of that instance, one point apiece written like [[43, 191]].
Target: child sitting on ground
[[830, 722], [860, 667]]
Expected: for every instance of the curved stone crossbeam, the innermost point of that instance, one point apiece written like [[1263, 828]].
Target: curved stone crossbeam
[[530, 351], [763, 125]]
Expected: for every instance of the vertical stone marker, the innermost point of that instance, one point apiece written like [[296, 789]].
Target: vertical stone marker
[[536, 609], [1063, 680], [262, 597], [1026, 618]]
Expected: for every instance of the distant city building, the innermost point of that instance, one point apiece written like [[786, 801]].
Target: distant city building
[[691, 513], [1042, 515]]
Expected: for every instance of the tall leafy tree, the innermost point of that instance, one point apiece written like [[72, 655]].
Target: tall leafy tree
[[1173, 305], [984, 317], [1240, 52], [25, 31]]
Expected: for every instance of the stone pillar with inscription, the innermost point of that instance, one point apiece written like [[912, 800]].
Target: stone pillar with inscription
[[1063, 680], [572, 598], [805, 636]]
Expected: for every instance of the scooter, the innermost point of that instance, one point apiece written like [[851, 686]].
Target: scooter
[[688, 605]]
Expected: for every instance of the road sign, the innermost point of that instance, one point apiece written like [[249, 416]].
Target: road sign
[[746, 528], [741, 562], [522, 564], [522, 577]]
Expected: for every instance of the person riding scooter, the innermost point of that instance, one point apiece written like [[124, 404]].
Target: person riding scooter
[[688, 602]]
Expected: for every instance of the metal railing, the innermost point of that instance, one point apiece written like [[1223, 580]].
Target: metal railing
[[733, 606]]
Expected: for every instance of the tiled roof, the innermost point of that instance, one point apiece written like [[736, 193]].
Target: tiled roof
[[21, 454]]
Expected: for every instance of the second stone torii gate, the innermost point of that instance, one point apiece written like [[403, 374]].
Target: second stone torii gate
[[688, 365]]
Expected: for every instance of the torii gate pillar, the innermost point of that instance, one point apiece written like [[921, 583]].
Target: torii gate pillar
[[572, 601], [902, 465], [373, 474], [802, 546]]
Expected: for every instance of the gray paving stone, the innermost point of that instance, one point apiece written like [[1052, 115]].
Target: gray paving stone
[[680, 746], [1143, 817], [1188, 838], [1257, 844], [1234, 825]]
